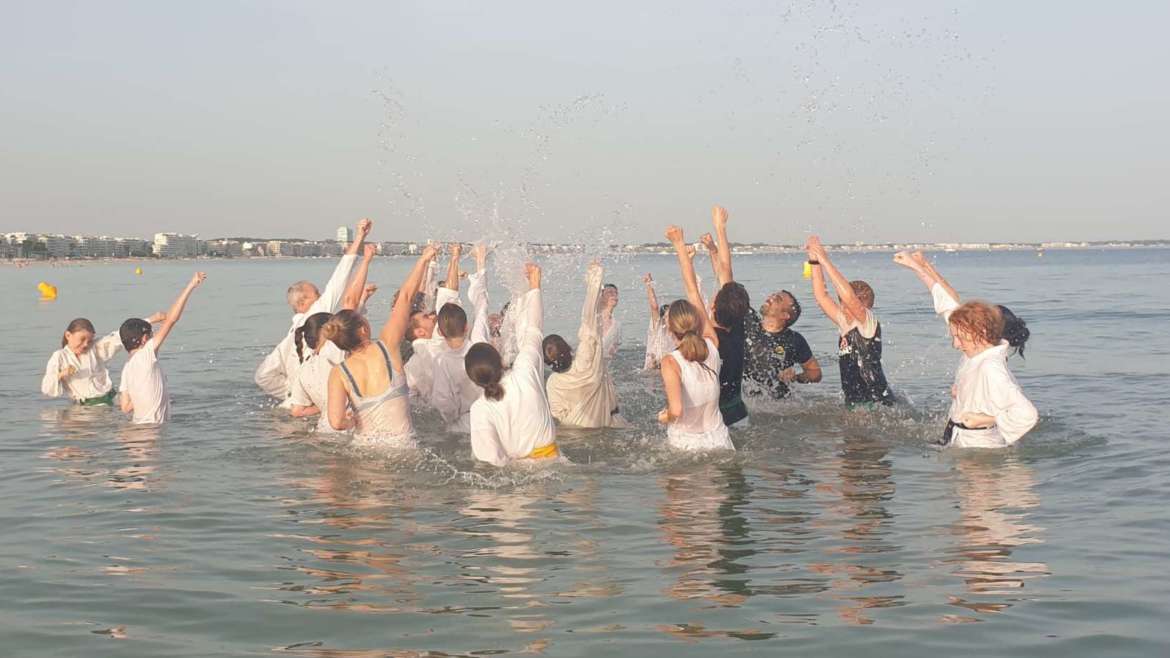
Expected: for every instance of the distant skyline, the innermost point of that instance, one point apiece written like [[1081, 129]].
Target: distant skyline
[[924, 122]]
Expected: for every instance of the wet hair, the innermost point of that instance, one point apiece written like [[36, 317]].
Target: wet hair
[[133, 333], [452, 320], [418, 303], [793, 314], [309, 332], [484, 367], [1015, 330], [686, 325], [980, 321], [78, 324], [344, 330], [863, 291], [415, 323], [297, 293], [731, 304], [662, 310], [557, 353]]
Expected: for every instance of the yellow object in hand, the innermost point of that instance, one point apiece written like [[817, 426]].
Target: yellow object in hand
[[47, 290], [807, 270]]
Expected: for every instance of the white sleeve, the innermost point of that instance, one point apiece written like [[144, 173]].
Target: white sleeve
[[590, 309], [108, 346], [51, 385], [298, 394], [270, 375], [612, 339], [477, 292], [428, 288], [330, 299], [944, 304], [1015, 415], [485, 442], [445, 394], [530, 333]]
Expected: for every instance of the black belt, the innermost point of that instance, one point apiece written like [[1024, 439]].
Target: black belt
[[948, 434]]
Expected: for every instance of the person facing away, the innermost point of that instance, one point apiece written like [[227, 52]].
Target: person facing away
[[859, 354], [423, 332], [367, 391], [690, 373], [729, 309], [512, 421], [453, 392], [81, 367], [277, 372], [580, 389], [988, 408], [144, 386], [774, 349]]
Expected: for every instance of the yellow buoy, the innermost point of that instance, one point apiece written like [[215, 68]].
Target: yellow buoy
[[48, 290], [807, 270], [138, 271]]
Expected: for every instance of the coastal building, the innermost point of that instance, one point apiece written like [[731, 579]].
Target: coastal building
[[176, 245], [344, 235], [56, 246]]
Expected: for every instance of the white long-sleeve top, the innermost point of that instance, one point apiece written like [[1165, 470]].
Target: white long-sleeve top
[[512, 427], [611, 337], [278, 370], [420, 367], [985, 385], [311, 387], [453, 392], [584, 395], [659, 342], [92, 379]]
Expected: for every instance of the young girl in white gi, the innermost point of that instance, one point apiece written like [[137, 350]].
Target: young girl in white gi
[[512, 421], [690, 374], [144, 386], [80, 368]]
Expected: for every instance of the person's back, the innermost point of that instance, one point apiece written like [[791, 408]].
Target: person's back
[[863, 381], [311, 387], [701, 391], [144, 381], [380, 397]]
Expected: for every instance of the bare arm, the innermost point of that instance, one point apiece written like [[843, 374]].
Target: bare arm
[[452, 282], [828, 305], [713, 254], [338, 402], [176, 310], [687, 264], [651, 298], [672, 385], [852, 306], [363, 230], [354, 296], [125, 403], [719, 219], [298, 411], [395, 327]]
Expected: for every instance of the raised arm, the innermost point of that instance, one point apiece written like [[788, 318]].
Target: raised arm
[[330, 299], [651, 298], [719, 219], [530, 325], [590, 308], [852, 306], [686, 263], [713, 254], [176, 310], [354, 292], [452, 282], [946, 298], [828, 305], [395, 327], [477, 291]]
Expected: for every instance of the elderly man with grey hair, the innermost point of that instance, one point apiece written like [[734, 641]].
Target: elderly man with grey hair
[[279, 368]]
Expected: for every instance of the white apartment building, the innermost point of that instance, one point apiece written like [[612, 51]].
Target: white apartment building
[[344, 234], [176, 245]]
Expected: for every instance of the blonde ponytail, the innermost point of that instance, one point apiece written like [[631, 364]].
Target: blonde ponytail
[[686, 324]]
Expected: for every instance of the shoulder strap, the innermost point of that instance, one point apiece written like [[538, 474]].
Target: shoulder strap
[[352, 381], [386, 355]]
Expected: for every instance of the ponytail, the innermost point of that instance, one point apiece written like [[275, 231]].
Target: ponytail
[[309, 333], [686, 325], [484, 367], [693, 347], [1015, 330], [299, 339], [344, 329]]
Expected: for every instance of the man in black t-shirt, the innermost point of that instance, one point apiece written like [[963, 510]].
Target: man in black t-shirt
[[773, 349]]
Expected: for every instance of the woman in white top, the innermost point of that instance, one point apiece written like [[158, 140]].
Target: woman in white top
[[512, 420], [368, 391], [690, 374], [988, 409], [580, 390], [80, 368]]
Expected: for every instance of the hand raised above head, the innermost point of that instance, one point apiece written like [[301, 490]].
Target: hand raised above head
[[719, 216], [648, 279], [364, 227], [197, 278], [904, 259], [430, 251], [370, 251], [708, 242], [674, 235], [532, 272]]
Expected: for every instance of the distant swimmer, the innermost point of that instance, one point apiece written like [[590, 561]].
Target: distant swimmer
[[859, 355], [317, 357], [367, 391], [278, 370], [511, 421], [452, 392], [690, 374], [581, 392], [988, 409], [144, 386], [81, 367]]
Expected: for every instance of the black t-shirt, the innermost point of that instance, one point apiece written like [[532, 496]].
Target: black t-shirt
[[770, 352], [731, 351]]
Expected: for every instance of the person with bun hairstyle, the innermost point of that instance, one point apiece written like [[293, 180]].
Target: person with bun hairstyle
[[80, 368], [580, 389], [310, 389], [367, 392], [988, 409], [426, 341], [511, 421], [690, 374]]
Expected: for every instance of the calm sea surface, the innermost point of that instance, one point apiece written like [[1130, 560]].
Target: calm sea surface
[[234, 531]]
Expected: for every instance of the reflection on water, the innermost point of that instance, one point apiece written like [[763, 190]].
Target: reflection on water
[[995, 494], [87, 454]]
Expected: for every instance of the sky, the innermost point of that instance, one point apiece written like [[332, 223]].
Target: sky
[[930, 121]]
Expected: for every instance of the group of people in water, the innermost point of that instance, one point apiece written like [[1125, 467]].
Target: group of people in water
[[485, 373]]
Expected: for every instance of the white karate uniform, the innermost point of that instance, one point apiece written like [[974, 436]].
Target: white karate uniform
[[420, 367], [512, 427], [311, 387], [985, 385], [700, 427], [584, 395], [92, 376], [611, 337], [278, 370], [453, 392], [144, 381]]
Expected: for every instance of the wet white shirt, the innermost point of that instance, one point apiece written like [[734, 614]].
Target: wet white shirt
[[659, 343], [512, 427], [611, 336], [420, 367], [453, 392], [311, 388], [92, 379], [278, 370], [143, 380], [700, 427]]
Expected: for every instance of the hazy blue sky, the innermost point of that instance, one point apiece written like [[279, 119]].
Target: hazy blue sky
[[928, 121]]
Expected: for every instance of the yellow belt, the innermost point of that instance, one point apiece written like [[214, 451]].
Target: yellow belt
[[545, 451]]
